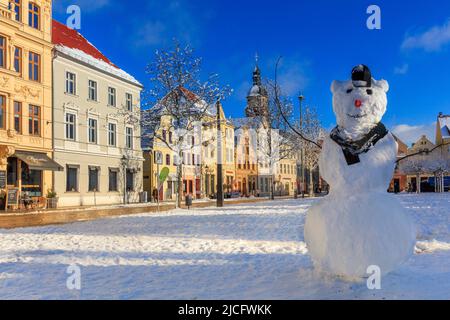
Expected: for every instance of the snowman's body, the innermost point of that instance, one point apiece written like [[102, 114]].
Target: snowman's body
[[358, 224]]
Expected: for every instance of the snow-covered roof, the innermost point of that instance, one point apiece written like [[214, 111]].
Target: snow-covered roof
[[70, 42]]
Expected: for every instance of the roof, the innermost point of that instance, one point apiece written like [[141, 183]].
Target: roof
[[73, 44]]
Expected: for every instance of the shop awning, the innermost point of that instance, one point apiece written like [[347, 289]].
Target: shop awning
[[38, 161]]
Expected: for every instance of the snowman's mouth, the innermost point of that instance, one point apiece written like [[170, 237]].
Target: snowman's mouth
[[357, 116]]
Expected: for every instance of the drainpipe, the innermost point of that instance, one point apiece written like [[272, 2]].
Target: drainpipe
[[53, 117]]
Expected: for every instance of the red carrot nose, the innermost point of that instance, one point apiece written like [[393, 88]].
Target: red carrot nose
[[358, 103]]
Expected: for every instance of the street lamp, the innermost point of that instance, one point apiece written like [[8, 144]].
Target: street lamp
[[219, 159], [300, 99]]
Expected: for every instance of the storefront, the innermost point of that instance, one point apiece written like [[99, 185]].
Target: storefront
[[25, 171]]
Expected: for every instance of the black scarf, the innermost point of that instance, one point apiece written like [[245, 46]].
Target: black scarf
[[352, 149]]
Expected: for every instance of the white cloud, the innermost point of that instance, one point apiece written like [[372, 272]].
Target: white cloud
[[432, 40], [410, 134], [402, 70]]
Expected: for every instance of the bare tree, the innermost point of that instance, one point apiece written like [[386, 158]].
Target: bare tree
[[178, 102], [417, 166], [306, 135], [311, 128]]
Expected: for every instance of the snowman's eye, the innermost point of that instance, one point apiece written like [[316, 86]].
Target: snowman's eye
[[369, 92], [349, 90]]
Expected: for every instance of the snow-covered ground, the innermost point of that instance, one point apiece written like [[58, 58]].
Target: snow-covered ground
[[252, 251]]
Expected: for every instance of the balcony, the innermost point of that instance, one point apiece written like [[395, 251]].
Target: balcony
[[5, 12]]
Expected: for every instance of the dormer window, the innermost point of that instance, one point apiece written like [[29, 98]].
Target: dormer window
[[33, 15]]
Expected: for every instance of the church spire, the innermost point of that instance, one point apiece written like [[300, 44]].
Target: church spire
[[257, 99], [257, 73]]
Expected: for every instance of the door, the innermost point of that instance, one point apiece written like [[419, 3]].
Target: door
[[198, 188], [396, 185]]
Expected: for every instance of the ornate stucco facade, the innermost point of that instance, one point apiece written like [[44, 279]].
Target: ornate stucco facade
[[26, 95]]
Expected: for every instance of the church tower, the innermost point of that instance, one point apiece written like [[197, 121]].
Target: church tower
[[257, 99]]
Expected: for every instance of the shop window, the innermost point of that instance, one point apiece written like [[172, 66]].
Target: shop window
[[31, 181]]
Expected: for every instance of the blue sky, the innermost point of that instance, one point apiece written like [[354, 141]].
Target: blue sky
[[319, 40]]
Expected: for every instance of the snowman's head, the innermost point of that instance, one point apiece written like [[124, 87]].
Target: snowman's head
[[359, 103]]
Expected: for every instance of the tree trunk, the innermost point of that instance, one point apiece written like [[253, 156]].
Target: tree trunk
[[272, 188], [311, 183], [179, 185], [418, 183]]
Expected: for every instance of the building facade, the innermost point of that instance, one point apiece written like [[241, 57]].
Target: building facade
[[26, 97], [96, 124]]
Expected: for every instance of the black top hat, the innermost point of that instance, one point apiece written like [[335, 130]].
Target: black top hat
[[361, 76]]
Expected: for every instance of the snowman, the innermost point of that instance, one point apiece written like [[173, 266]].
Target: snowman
[[359, 225]]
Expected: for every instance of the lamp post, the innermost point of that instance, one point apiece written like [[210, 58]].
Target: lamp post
[[219, 159], [302, 168]]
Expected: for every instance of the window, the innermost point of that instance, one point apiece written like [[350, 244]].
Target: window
[[31, 181], [93, 179], [33, 15], [129, 138], [18, 60], [170, 137], [168, 159], [72, 179], [164, 135], [92, 123], [34, 120], [2, 52], [16, 7], [34, 66], [2, 112], [71, 83], [112, 134], [130, 180], [113, 173], [18, 116], [111, 97], [129, 101], [92, 90], [71, 120]]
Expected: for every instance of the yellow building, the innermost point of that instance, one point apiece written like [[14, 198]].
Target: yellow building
[[246, 163], [199, 158], [210, 153], [26, 96], [157, 155]]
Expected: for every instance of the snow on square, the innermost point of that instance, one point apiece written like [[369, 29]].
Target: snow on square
[[251, 251]]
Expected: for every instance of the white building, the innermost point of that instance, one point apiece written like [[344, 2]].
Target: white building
[[96, 139]]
